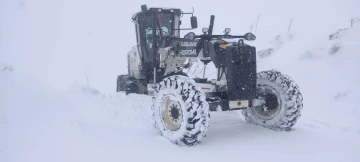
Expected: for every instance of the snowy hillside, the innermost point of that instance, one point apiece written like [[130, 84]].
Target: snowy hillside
[[48, 113], [323, 65], [39, 124], [62, 41]]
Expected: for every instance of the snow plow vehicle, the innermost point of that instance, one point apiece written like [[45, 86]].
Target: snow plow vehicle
[[181, 104]]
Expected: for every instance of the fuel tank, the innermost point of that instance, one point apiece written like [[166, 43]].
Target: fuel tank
[[241, 72]]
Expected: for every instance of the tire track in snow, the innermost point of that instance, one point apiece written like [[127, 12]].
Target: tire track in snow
[[318, 124]]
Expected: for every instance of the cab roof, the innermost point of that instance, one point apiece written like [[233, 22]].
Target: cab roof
[[158, 9]]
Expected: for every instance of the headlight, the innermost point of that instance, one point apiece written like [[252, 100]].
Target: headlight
[[227, 30], [250, 36], [205, 30], [190, 36]]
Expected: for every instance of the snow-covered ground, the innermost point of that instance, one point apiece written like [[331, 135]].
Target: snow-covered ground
[[38, 124], [40, 121]]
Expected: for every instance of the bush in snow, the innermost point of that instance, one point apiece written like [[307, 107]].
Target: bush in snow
[[276, 44], [265, 52], [2, 120], [7, 68], [338, 34], [308, 55], [355, 21], [90, 90], [334, 48], [282, 38], [83, 89], [341, 95]]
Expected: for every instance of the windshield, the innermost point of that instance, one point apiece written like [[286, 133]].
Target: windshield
[[164, 21]]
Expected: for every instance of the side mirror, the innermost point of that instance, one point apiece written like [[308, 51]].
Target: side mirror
[[193, 20], [249, 36], [143, 7]]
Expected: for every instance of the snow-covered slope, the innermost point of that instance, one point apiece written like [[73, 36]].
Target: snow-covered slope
[[326, 70], [38, 123], [323, 64], [56, 41]]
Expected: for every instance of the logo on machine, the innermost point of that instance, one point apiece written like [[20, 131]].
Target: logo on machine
[[188, 52], [188, 49], [188, 44]]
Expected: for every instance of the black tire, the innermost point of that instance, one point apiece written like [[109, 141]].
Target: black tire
[[194, 116], [120, 83], [288, 102], [126, 83], [131, 88], [224, 105]]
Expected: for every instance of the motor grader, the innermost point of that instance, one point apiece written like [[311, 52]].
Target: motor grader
[[181, 104]]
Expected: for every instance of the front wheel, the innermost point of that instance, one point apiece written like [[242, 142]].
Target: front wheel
[[180, 111], [282, 102]]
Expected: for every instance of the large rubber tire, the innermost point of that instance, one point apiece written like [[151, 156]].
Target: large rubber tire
[[131, 87], [194, 117], [289, 102], [126, 83], [120, 83]]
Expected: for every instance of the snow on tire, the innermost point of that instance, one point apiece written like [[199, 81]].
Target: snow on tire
[[283, 102], [120, 83], [126, 83], [180, 111]]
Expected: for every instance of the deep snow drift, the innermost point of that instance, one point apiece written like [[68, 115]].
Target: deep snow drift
[[37, 123], [56, 41]]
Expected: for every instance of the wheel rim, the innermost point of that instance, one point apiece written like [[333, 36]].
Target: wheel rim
[[272, 105], [171, 113]]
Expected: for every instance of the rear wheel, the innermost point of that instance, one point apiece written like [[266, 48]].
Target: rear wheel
[[180, 111], [281, 102], [120, 83], [126, 83]]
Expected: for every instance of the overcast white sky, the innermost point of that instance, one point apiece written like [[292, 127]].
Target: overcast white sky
[[57, 41]]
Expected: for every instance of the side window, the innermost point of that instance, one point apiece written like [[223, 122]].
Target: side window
[[176, 26], [166, 23], [148, 34], [137, 33], [164, 29], [145, 35]]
